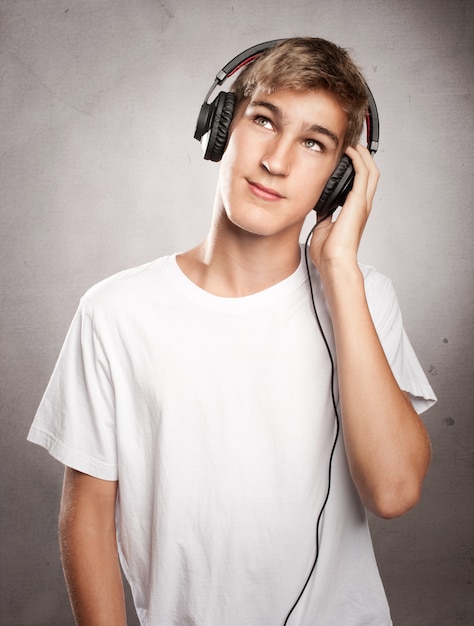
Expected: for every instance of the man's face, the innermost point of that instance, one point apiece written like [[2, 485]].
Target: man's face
[[282, 149]]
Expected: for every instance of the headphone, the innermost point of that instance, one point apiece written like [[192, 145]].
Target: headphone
[[214, 120]]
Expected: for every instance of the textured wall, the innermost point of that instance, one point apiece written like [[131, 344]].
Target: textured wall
[[99, 172]]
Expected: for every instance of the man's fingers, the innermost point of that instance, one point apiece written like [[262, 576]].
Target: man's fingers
[[366, 173]]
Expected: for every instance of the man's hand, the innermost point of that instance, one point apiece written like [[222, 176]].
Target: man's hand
[[339, 241]]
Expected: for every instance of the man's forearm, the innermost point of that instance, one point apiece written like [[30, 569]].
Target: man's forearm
[[386, 443], [93, 576], [89, 550]]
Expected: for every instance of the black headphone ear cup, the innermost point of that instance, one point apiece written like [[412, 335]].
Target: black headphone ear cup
[[336, 189], [219, 131]]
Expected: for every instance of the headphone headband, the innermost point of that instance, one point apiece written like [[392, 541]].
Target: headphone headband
[[245, 57]]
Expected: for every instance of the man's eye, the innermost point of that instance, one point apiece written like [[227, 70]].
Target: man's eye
[[263, 121], [312, 144]]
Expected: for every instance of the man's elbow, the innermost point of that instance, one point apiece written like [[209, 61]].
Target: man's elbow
[[396, 501]]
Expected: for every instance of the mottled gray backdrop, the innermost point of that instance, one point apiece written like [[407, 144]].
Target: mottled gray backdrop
[[99, 172]]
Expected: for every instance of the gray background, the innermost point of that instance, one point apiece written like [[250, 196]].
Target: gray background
[[100, 172]]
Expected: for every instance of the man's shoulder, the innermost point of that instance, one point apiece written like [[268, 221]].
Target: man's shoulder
[[377, 285], [381, 295], [131, 285]]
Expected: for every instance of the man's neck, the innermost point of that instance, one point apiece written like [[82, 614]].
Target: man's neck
[[233, 263]]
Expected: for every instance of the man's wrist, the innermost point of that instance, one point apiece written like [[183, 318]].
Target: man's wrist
[[340, 273]]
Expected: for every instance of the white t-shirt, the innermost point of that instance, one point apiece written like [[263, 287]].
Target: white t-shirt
[[215, 416]]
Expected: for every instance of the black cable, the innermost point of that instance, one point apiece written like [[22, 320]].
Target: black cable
[[336, 436]]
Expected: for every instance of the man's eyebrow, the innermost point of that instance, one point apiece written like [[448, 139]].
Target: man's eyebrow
[[315, 128], [268, 105]]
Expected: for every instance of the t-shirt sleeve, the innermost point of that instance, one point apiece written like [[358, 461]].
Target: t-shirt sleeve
[[75, 421], [387, 317]]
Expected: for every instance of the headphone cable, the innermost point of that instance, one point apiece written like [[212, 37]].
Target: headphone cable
[[336, 436]]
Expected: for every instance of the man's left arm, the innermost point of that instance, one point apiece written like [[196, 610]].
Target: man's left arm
[[387, 446]]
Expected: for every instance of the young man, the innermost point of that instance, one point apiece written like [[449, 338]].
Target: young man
[[192, 403]]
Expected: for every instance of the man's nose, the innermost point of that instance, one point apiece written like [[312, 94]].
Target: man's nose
[[277, 157]]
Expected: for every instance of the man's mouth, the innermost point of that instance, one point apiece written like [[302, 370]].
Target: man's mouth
[[266, 193]]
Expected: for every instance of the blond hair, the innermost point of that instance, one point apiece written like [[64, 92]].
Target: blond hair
[[309, 63]]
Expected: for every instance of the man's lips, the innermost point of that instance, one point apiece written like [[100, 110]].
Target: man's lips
[[267, 193]]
